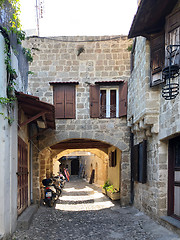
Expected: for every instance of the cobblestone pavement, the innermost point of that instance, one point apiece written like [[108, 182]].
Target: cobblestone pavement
[[84, 213]]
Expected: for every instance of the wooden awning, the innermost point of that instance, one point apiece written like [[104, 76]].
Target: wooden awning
[[36, 110], [69, 82], [109, 82], [150, 17]]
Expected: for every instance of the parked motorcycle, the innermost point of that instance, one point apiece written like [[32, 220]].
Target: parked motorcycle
[[58, 185], [51, 191]]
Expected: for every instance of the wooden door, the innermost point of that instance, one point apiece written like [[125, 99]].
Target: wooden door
[[22, 175], [174, 178]]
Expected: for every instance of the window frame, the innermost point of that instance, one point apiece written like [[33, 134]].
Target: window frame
[[95, 97], [157, 56], [108, 100], [172, 26]]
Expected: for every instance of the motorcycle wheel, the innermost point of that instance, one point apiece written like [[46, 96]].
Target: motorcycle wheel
[[58, 191], [50, 203]]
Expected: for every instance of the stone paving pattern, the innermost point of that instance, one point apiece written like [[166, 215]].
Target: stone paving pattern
[[83, 212]]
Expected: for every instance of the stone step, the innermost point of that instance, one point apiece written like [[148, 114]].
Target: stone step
[[25, 219]]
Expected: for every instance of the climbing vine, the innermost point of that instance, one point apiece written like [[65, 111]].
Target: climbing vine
[[14, 27]]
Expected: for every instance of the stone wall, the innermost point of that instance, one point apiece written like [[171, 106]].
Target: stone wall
[[143, 101], [57, 60], [143, 115], [155, 119], [98, 164]]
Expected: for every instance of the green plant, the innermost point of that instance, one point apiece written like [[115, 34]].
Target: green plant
[[106, 184], [30, 72], [129, 48], [14, 27], [27, 53], [111, 189]]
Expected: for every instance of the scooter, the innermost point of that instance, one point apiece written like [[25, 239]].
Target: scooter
[[50, 192], [57, 185]]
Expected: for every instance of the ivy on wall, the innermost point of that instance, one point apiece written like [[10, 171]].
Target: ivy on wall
[[14, 27]]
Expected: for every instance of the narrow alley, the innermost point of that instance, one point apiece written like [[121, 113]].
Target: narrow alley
[[83, 212]]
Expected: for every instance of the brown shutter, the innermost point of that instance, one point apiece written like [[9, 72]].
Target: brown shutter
[[143, 162], [173, 20], [123, 99], [64, 101], [135, 162], [157, 45], [69, 101], [59, 101], [94, 101]]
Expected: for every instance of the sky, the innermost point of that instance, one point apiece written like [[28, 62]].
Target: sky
[[79, 17]]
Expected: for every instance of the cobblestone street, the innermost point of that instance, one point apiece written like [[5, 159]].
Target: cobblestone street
[[83, 212]]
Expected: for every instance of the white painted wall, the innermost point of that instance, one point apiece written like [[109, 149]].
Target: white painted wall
[[8, 159]]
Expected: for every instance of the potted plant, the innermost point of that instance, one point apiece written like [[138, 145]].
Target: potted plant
[[109, 190], [113, 193], [105, 186]]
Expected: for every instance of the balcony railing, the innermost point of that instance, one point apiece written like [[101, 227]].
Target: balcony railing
[[108, 111]]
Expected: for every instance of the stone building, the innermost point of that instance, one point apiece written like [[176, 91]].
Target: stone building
[[86, 79], [19, 113], [153, 110]]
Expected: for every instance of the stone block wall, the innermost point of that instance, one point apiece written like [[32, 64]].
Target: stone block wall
[[57, 60], [143, 101], [155, 119], [143, 118]]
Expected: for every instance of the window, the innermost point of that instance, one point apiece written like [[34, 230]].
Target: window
[[64, 100], [173, 36], [108, 101], [112, 159], [133, 54], [139, 162], [157, 45]]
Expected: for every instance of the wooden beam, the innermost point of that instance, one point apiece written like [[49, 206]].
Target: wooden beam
[[82, 145], [44, 119], [33, 118]]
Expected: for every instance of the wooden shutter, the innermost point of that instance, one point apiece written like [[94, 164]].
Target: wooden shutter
[[59, 101], [94, 101], [157, 45], [123, 99], [142, 178], [64, 101], [135, 162], [69, 101]]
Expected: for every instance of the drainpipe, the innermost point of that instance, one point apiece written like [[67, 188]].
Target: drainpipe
[[132, 178]]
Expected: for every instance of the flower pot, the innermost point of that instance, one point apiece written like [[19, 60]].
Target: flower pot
[[104, 191], [113, 196]]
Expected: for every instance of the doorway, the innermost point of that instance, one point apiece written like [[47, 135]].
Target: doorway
[[22, 176], [75, 166], [174, 178]]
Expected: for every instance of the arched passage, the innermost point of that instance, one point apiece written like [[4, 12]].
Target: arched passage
[[102, 149]]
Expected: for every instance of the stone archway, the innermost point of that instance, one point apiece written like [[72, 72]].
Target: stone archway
[[51, 138]]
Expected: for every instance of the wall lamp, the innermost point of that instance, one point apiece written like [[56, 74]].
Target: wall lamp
[[169, 73]]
